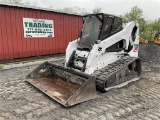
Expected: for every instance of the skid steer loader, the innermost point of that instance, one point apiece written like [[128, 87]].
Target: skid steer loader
[[105, 56]]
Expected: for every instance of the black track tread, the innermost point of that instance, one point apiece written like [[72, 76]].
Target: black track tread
[[104, 73]]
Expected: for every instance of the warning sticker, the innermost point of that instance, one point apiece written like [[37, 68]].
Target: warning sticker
[[136, 47]]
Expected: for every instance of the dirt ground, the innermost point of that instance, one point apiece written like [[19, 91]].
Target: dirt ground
[[149, 53], [137, 101]]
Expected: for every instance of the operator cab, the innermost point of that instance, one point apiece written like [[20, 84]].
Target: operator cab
[[98, 27]]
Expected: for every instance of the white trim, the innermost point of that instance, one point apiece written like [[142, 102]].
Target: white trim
[[122, 84]]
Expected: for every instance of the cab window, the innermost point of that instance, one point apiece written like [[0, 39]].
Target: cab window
[[108, 27], [117, 25]]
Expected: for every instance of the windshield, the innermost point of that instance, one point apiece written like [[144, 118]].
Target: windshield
[[90, 32]]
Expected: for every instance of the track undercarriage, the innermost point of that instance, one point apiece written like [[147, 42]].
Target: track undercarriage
[[119, 73]]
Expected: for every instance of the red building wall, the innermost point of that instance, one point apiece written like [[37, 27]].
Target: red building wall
[[14, 45]]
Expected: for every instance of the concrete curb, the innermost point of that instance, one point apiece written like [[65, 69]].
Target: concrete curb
[[26, 63]]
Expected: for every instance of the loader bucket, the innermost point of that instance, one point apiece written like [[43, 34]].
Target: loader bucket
[[66, 86]]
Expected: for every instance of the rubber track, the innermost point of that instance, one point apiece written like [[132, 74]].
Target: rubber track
[[111, 69]]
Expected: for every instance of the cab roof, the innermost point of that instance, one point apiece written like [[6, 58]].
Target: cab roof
[[103, 14]]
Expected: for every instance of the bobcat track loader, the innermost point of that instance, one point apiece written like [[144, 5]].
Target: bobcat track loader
[[105, 56]]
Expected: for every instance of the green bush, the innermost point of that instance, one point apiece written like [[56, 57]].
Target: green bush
[[148, 28], [1, 67]]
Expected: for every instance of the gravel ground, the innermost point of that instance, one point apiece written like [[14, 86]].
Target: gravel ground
[[149, 53], [137, 101]]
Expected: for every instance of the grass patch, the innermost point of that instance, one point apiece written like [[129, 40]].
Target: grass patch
[[1, 67]]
